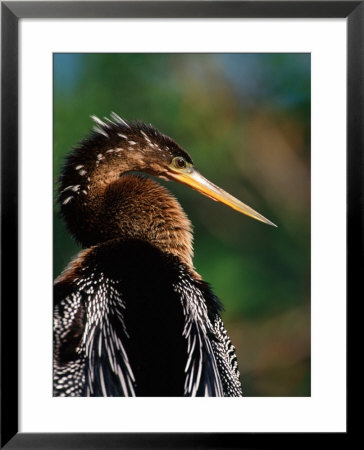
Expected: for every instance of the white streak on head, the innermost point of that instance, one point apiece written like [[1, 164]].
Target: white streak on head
[[146, 137], [132, 142], [99, 156], [67, 189], [119, 119], [84, 192], [117, 150], [123, 121], [79, 167], [109, 151], [82, 172], [68, 199], [99, 121], [114, 116], [100, 131], [122, 136], [110, 121]]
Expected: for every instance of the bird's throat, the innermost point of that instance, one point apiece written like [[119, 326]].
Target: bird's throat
[[132, 207], [145, 210]]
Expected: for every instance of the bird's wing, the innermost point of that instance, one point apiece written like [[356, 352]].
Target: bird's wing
[[226, 359], [89, 324], [69, 360], [202, 373], [212, 368]]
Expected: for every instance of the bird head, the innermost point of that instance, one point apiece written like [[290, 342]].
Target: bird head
[[161, 156], [118, 147]]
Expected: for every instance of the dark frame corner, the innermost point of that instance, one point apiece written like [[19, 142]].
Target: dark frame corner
[[11, 12]]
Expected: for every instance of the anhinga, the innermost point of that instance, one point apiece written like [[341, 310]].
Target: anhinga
[[131, 315]]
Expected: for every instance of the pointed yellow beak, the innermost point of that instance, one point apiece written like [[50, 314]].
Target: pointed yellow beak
[[195, 180]]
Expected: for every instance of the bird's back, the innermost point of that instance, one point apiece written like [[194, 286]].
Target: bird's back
[[132, 320]]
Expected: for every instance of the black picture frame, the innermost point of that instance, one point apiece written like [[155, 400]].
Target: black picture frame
[[11, 12]]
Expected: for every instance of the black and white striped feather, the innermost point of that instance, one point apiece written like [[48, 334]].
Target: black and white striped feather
[[101, 366], [211, 368], [91, 338]]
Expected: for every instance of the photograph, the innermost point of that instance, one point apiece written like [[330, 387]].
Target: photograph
[[180, 195], [181, 224]]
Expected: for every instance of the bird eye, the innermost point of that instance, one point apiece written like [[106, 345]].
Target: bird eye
[[179, 162]]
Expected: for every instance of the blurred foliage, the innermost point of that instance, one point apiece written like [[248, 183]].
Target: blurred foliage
[[245, 120]]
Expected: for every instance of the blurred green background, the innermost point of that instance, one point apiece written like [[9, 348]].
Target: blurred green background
[[245, 120]]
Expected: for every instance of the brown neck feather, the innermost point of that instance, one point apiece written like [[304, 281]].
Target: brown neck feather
[[99, 205]]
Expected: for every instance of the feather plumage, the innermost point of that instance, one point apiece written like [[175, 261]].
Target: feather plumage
[[131, 315], [99, 296]]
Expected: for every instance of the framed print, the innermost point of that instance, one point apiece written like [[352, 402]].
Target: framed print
[[265, 98]]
